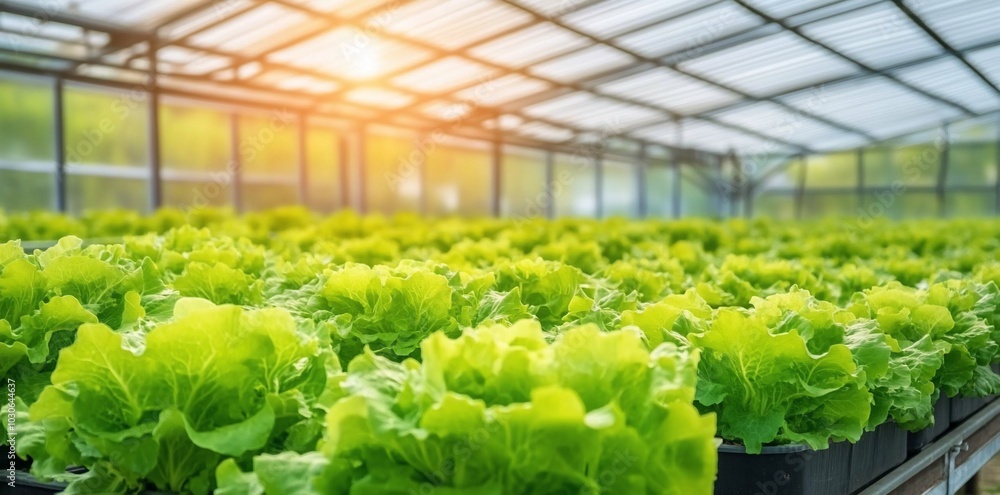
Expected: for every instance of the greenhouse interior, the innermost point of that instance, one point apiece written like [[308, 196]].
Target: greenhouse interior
[[458, 247]]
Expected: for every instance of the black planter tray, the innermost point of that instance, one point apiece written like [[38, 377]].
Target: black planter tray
[[784, 470], [964, 407], [916, 441], [876, 453], [26, 484]]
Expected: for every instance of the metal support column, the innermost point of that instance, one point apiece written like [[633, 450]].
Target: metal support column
[[59, 140], [236, 180], [599, 186], [945, 157], [675, 164], [800, 191], [640, 176], [303, 164], [155, 176], [496, 169], [996, 144], [343, 162], [861, 177], [361, 142], [550, 178]]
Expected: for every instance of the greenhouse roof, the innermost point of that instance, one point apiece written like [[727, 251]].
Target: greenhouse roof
[[753, 76]]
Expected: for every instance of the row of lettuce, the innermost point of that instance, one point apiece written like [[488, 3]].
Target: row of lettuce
[[486, 357]]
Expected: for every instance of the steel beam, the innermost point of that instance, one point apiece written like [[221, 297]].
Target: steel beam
[[59, 143]]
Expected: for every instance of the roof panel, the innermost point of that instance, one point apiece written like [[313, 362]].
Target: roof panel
[[206, 17], [876, 105], [376, 97], [690, 31], [962, 23], [252, 32], [878, 36], [444, 75], [777, 122], [530, 45], [134, 13], [670, 89], [502, 90], [544, 132], [988, 62], [454, 23], [781, 9], [339, 53], [610, 18], [774, 63], [952, 80], [587, 62], [350, 8], [584, 110], [705, 135]]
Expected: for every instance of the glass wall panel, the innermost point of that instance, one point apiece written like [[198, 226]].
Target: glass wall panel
[[27, 149], [973, 158], [698, 198], [914, 161], [522, 185], [835, 205], [392, 173], [323, 168], [659, 190], [574, 186], [832, 170], [458, 180], [970, 204], [269, 160], [776, 206], [107, 149], [22, 190], [619, 189], [197, 163]]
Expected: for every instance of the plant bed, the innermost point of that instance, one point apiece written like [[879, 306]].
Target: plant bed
[[784, 470], [916, 441], [876, 453], [963, 407], [22, 464]]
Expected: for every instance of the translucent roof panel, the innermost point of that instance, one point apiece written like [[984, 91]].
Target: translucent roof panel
[[444, 75], [349, 8], [665, 133], [454, 23], [611, 18], [781, 124], [876, 105], [587, 62], [592, 112], [137, 13], [203, 19], [379, 97], [988, 62], [690, 31], [784, 8], [721, 139], [962, 23], [878, 36], [253, 31], [530, 45], [671, 90], [776, 63], [950, 79], [502, 89], [339, 53], [545, 132]]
